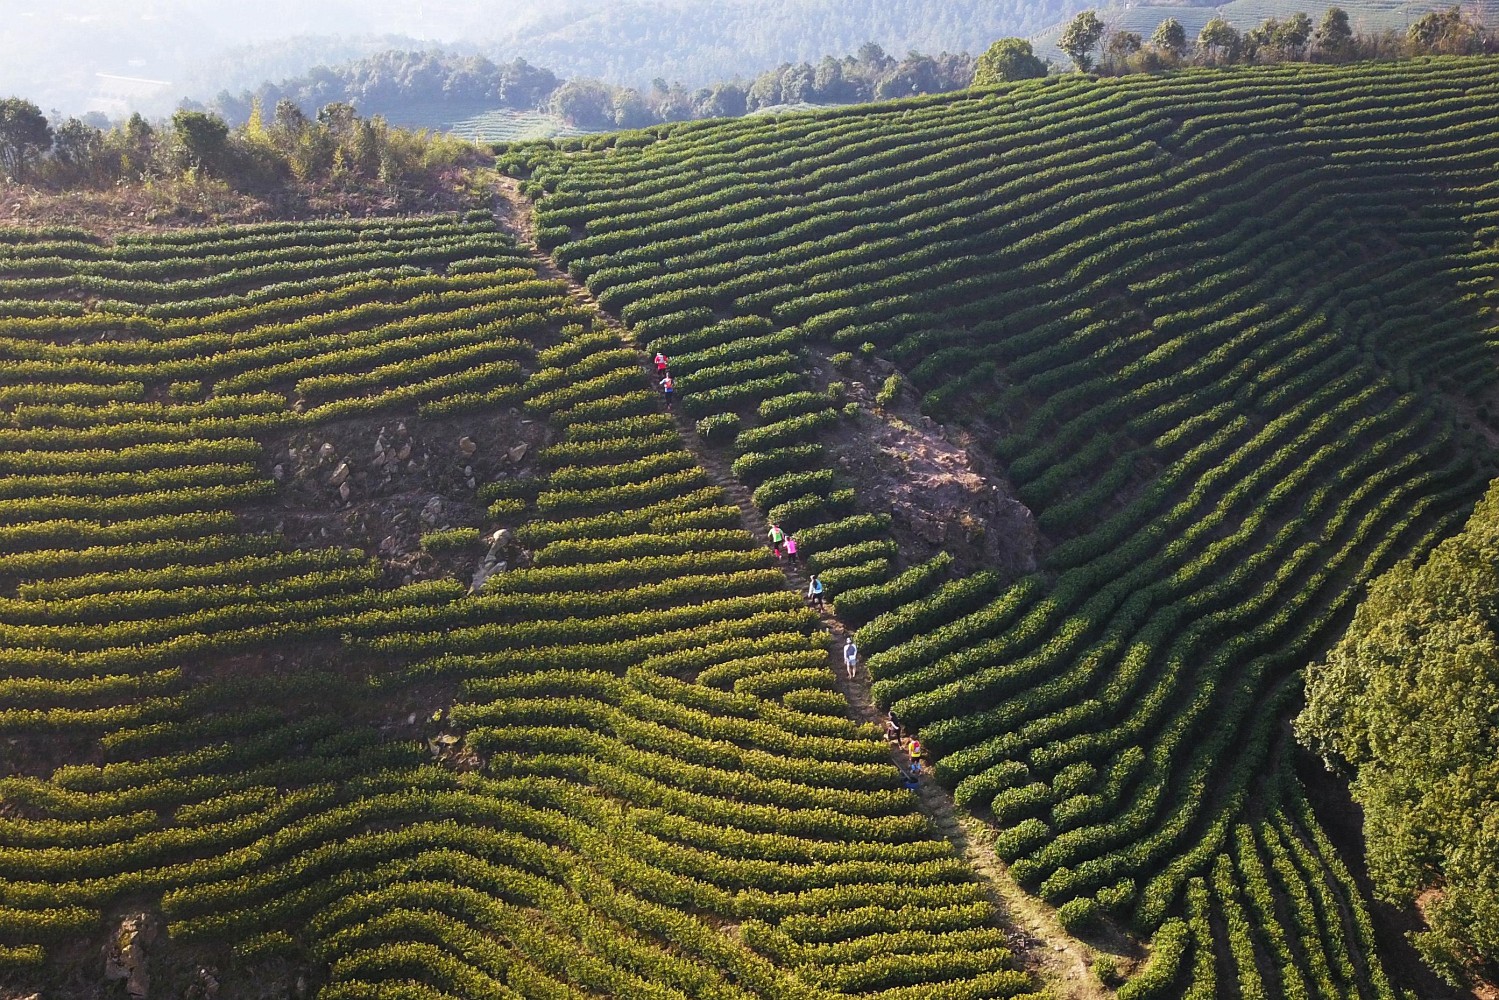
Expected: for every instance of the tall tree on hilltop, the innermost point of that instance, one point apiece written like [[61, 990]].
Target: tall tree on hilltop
[[1219, 41], [1006, 60], [1080, 38], [1334, 38], [1170, 38], [24, 134]]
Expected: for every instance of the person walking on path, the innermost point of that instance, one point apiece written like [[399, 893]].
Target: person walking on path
[[791, 548], [667, 388], [850, 658], [661, 363], [777, 537], [814, 593]]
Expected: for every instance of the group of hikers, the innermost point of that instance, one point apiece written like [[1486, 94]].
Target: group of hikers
[[668, 384], [895, 735], [783, 544]]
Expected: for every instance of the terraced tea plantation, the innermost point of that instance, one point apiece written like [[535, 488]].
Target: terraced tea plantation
[[1227, 334], [261, 743]]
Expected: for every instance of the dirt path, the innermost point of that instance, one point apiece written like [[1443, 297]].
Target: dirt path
[[1042, 947]]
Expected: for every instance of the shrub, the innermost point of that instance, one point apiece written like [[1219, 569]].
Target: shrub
[[718, 428], [450, 540], [890, 390]]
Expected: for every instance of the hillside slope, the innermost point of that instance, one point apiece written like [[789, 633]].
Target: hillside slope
[[1228, 335], [262, 739]]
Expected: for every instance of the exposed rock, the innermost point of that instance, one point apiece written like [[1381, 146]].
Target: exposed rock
[[125, 953], [501, 537], [340, 474], [404, 452], [517, 453], [327, 451], [488, 568], [432, 511], [278, 473], [466, 445], [344, 492]]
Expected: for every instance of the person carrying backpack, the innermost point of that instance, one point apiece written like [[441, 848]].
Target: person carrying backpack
[[850, 658], [814, 592], [661, 363]]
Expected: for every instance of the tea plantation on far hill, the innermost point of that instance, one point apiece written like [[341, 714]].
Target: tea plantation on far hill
[[1228, 334]]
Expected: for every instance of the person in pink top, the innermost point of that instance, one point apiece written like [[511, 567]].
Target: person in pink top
[[791, 548]]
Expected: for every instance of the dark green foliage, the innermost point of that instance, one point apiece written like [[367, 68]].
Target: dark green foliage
[[1406, 700]]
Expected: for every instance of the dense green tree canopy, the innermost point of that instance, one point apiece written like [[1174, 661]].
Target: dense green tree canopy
[[1080, 38], [1409, 698], [24, 133], [1170, 37], [1006, 60]]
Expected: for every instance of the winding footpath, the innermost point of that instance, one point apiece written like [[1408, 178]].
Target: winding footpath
[[1041, 945]]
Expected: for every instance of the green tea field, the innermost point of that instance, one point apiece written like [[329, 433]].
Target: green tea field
[[1228, 335]]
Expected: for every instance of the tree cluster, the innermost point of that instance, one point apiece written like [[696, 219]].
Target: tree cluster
[[871, 75], [392, 81], [336, 145], [1409, 700], [1091, 44]]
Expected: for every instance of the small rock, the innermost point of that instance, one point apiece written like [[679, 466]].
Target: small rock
[[344, 491], [291, 454], [472, 483], [340, 475], [327, 451], [379, 459], [466, 445], [501, 536], [468, 470], [411, 465], [404, 452], [278, 473], [411, 719], [300, 406], [517, 453], [388, 543], [401, 428], [432, 511]]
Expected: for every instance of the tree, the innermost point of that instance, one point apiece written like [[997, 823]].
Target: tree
[[24, 134], [1407, 698], [724, 100], [1446, 32], [78, 148], [629, 109], [203, 137], [1080, 38], [588, 103], [1007, 60], [1120, 47], [1293, 34], [1218, 41], [874, 60], [1334, 38], [1170, 38]]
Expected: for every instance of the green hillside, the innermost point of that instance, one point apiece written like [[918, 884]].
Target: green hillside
[[1227, 334], [262, 740]]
